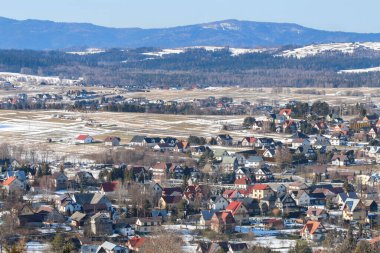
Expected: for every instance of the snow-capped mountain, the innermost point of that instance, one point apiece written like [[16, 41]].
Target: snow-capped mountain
[[39, 35]]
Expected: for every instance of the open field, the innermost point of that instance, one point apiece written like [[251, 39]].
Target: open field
[[33, 128], [255, 95]]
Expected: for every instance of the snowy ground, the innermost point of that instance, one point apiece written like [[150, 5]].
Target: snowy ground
[[36, 247]]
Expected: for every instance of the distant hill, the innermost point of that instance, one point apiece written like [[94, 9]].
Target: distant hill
[[41, 35]]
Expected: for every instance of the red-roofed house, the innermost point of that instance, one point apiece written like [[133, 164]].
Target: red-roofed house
[[223, 222], [313, 231], [239, 211], [286, 112], [135, 243], [12, 184], [242, 183], [248, 141], [108, 187], [260, 191], [84, 138]]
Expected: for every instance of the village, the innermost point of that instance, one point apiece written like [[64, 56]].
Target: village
[[301, 175]]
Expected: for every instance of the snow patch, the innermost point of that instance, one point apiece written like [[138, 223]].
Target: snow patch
[[88, 51], [358, 71], [312, 50]]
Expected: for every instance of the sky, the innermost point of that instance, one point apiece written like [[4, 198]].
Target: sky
[[333, 15]]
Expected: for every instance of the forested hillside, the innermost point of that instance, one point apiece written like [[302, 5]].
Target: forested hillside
[[197, 66]]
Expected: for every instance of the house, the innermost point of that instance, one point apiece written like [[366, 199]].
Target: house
[[302, 198], [169, 202], [27, 217], [60, 181], [90, 202], [108, 247], [239, 212], [205, 219], [316, 214], [242, 183], [260, 191], [85, 178], [12, 184], [148, 224], [172, 191], [273, 223], [137, 140], [224, 140], [221, 246], [313, 231], [217, 203], [269, 153], [160, 170], [340, 160], [285, 112], [135, 243], [84, 139], [354, 210], [109, 187], [112, 141], [338, 140], [248, 141], [223, 222], [254, 162], [297, 186], [286, 204], [264, 142], [263, 174], [343, 196], [229, 164], [101, 224]]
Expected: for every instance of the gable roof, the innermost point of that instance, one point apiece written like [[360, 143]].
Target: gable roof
[[234, 206], [109, 186], [82, 137], [312, 226], [9, 180], [136, 242], [260, 187]]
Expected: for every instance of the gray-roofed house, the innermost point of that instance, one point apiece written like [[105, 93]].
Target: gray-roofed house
[[101, 224]]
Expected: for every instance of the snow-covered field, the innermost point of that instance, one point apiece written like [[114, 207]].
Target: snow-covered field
[[36, 247], [88, 51], [346, 48], [358, 71], [33, 79], [233, 51]]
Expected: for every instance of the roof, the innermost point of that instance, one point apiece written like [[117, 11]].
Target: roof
[[312, 226], [138, 138], [234, 206], [82, 137], [206, 214], [136, 242], [108, 246], [109, 186], [77, 216], [285, 111], [260, 187], [111, 139], [9, 180], [242, 181], [351, 204]]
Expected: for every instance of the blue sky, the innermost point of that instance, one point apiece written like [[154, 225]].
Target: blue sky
[[343, 15]]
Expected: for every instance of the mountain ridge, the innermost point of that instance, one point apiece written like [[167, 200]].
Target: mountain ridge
[[51, 35]]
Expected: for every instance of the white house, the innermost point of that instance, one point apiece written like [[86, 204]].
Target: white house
[[254, 162], [84, 139]]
